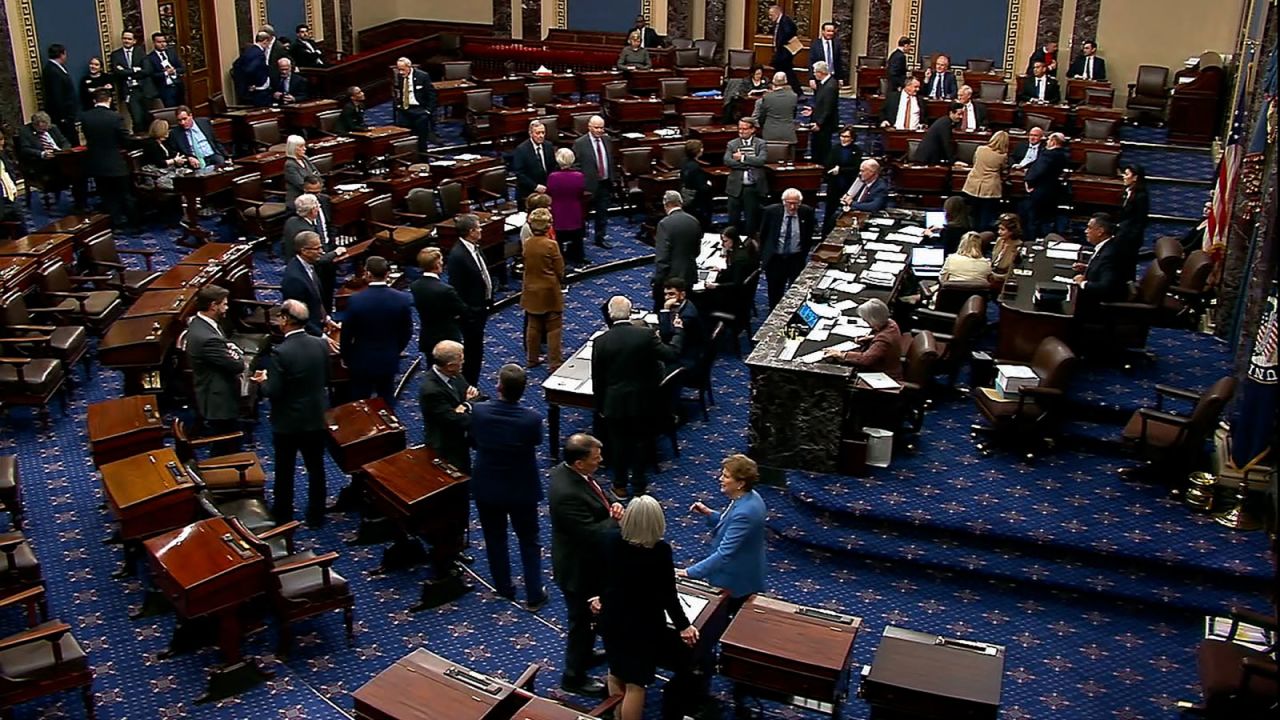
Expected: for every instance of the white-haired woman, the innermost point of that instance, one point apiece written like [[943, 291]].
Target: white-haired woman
[[878, 352], [567, 188], [640, 593], [297, 166]]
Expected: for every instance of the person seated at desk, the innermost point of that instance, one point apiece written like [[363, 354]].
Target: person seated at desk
[[939, 81], [695, 184], [38, 142], [966, 264], [776, 111], [955, 213], [984, 185], [938, 146], [1194, 238], [160, 162], [880, 350], [352, 117], [1039, 87], [1089, 66], [1008, 242], [870, 192], [680, 325], [975, 114], [1102, 279], [739, 262], [901, 110], [634, 56], [194, 139], [737, 560], [757, 82], [288, 87], [1030, 152]]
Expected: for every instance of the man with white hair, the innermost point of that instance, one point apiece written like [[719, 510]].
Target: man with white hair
[[975, 114], [414, 99], [870, 192], [289, 87], [594, 155], [676, 244], [1044, 187], [446, 399], [531, 162], [786, 237], [776, 111], [824, 113]]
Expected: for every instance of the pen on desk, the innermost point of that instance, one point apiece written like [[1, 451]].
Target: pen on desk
[[152, 458]]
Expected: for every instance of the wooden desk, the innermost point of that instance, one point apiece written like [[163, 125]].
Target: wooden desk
[[43, 248], [179, 277], [804, 176], [80, 227], [363, 431], [1000, 114], [1023, 322], [914, 676], [122, 427], [399, 186], [646, 82], [1076, 89], [149, 493], [702, 78], [219, 253], [302, 116], [162, 302], [512, 121], [789, 652], [692, 104], [563, 83], [377, 140], [1081, 146], [1096, 191], [195, 186], [18, 272], [425, 686], [138, 346], [348, 208], [713, 619], [633, 112], [268, 163], [715, 138], [1060, 114], [368, 69], [344, 149], [568, 386], [242, 121], [452, 92], [1195, 104], [593, 82], [975, 79], [564, 112]]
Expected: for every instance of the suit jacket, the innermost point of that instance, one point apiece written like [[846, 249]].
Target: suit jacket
[[59, 92], [826, 107], [294, 174], [178, 138], [949, 86], [1052, 94], [580, 525], [771, 230], [889, 111], [1044, 176], [1131, 225], [1040, 56], [737, 560], [297, 384], [874, 197], [695, 183], [306, 53], [848, 161], [676, 244], [294, 225], [155, 69], [984, 179], [1106, 279], [783, 33], [626, 370], [754, 157], [651, 38], [776, 113], [297, 86], [979, 114], [528, 171], [567, 189], [423, 91], [895, 68], [131, 76], [439, 308], [690, 340], [351, 119], [251, 70], [378, 325], [938, 144], [216, 366], [465, 277], [506, 437], [30, 149], [446, 430], [275, 51], [818, 52], [584, 150], [156, 153], [1099, 68], [104, 139], [1021, 153], [543, 276], [297, 284]]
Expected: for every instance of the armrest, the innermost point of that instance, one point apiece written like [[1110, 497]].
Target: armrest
[[108, 263], [1148, 414], [249, 203], [254, 303], [11, 540], [1040, 392], [28, 595], [935, 315], [32, 328], [89, 278], [50, 632], [1253, 617], [525, 681], [284, 530], [210, 439], [36, 310], [226, 464], [15, 360], [277, 193], [26, 340], [411, 216], [324, 560], [384, 226], [605, 706], [73, 295]]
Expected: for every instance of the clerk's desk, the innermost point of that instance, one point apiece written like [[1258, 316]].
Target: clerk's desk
[[1024, 322]]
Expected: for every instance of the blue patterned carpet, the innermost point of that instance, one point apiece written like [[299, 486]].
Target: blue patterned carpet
[[1097, 586]]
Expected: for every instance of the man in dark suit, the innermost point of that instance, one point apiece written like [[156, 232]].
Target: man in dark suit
[[626, 366], [870, 192], [60, 99], [677, 241], [446, 399], [532, 161], [826, 48], [506, 483], [301, 281], [217, 364], [352, 117], [252, 73], [1039, 86], [37, 143], [824, 113], [748, 184], [786, 237], [975, 113], [1046, 55], [128, 64], [648, 36], [308, 217], [594, 155], [439, 307], [1030, 151], [939, 81], [1089, 66], [1044, 187], [296, 381], [1104, 277], [938, 146], [784, 31], [305, 51], [194, 138], [105, 138], [166, 70], [469, 275], [379, 325], [680, 325], [287, 87], [583, 517], [414, 99], [895, 67]]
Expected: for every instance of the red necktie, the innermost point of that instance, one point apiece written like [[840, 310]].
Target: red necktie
[[600, 167], [599, 493]]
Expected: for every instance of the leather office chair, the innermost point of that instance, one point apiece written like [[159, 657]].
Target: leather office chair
[[552, 124], [103, 258], [324, 164], [1100, 128], [261, 218], [700, 378], [493, 190], [1106, 164], [391, 237], [1148, 94], [42, 660], [423, 209], [1126, 325], [580, 121], [671, 156], [541, 95], [965, 150], [457, 70], [30, 381], [478, 124], [706, 50], [1173, 445], [979, 64], [670, 90], [1099, 97], [265, 133], [452, 199], [956, 334], [912, 146], [917, 378], [615, 90], [11, 490], [738, 311], [698, 120], [327, 122], [738, 61], [1029, 420], [634, 163], [778, 151], [686, 57], [1034, 120], [993, 91], [225, 476], [1168, 255], [884, 87], [247, 314], [23, 336], [1238, 681], [682, 43], [19, 566], [870, 61], [404, 152], [67, 296], [1188, 300], [951, 296]]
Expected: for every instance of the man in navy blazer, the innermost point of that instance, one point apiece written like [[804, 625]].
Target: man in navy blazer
[[506, 483], [826, 48], [1089, 66], [531, 161], [469, 275], [870, 192], [301, 281], [379, 325], [252, 74], [166, 70], [784, 31], [680, 325], [1044, 186], [1103, 278], [939, 82]]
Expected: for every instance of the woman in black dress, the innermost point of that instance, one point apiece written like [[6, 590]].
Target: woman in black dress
[[739, 262], [160, 162], [92, 80], [640, 593], [695, 184], [1131, 221]]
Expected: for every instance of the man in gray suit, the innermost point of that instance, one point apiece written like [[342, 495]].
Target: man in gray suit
[[776, 111], [594, 154], [676, 244], [217, 364], [297, 382], [747, 186]]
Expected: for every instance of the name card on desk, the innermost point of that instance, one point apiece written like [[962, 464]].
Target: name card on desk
[[1063, 254]]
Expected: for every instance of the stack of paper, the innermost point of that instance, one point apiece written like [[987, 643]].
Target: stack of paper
[[888, 268], [1062, 254], [789, 348], [878, 381]]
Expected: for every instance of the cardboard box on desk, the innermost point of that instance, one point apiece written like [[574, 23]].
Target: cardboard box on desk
[[1011, 378]]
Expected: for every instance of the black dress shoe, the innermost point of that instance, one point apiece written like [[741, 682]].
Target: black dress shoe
[[467, 558], [598, 658], [603, 244], [583, 686]]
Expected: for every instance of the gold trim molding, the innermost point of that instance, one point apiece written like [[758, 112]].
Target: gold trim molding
[[1011, 38], [261, 6], [32, 44], [313, 17], [913, 22], [104, 29], [562, 14]]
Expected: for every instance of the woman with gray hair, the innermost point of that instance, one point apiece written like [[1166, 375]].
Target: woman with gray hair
[[567, 188], [878, 351], [297, 166], [639, 596]]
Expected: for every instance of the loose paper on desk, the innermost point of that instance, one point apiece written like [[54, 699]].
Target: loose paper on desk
[[823, 310], [444, 163], [825, 282], [1250, 636], [841, 275], [789, 348], [1063, 279], [883, 246], [467, 157], [586, 387], [851, 331], [869, 235], [819, 333], [585, 352], [812, 357], [904, 237], [848, 303], [853, 288], [1072, 246], [894, 257], [633, 135], [878, 381], [651, 318], [692, 605], [916, 230], [880, 221], [1016, 371], [888, 268], [1063, 254], [871, 277], [515, 221], [853, 249]]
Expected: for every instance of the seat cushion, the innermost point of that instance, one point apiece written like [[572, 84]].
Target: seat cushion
[[30, 661], [1159, 434], [138, 279], [23, 559], [8, 471], [253, 513], [409, 236], [68, 339], [1221, 673], [309, 581], [39, 376], [267, 211], [100, 302]]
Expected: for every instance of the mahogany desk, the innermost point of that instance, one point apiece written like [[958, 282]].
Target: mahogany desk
[[81, 227], [593, 81], [343, 149], [363, 431], [565, 111], [1076, 89], [1023, 322], [1001, 114], [425, 686], [149, 493], [242, 121], [1080, 146], [565, 83], [124, 426], [796, 654], [42, 248], [303, 115], [804, 176], [1096, 190], [208, 569], [512, 122], [1195, 105], [377, 140], [646, 82], [715, 138], [508, 87], [349, 208], [399, 185], [921, 675], [162, 302], [452, 92], [702, 78], [1097, 112], [974, 79], [694, 104], [17, 272], [219, 253], [1060, 114], [268, 163], [195, 186], [633, 112], [568, 386], [137, 346]]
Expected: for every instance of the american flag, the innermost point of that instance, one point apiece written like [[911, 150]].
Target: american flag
[[1219, 220]]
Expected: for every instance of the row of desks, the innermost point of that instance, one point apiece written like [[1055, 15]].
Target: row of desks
[[1007, 113], [868, 82]]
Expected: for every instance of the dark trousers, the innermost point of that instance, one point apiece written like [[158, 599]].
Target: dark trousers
[[781, 271], [9, 213], [1039, 217], [783, 62], [420, 121], [628, 445], [68, 127], [524, 520], [473, 349], [170, 95], [747, 204], [571, 245], [820, 145], [364, 385], [580, 638], [832, 208], [137, 108], [223, 426], [288, 445], [984, 212], [117, 198], [601, 199]]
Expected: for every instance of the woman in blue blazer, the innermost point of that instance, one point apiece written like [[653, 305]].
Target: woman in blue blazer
[[737, 562]]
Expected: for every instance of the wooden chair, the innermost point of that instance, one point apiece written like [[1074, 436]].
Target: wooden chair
[[423, 209], [1188, 300], [19, 566], [11, 490], [698, 120], [248, 314], [327, 122], [707, 50], [1125, 326], [682, 43], [103, 258], [700, 378], [1029, 420], [955, 334], [778, 151], [615, 90], [1099, 97], [1106, 164], [67, 296], [671, 90], [635, 162], [41, 661], [261, 218], [1100, 128], [478, 123], [392, 238], [1170, 444], [68, 343], [738, 62]]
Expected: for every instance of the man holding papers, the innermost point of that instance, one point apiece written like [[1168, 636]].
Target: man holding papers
[[879, 351]]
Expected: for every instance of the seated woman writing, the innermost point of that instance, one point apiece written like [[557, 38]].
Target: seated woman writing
[[880, 350]]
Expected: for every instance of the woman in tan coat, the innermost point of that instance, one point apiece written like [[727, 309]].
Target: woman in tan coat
[[985, 183], [542, 296]]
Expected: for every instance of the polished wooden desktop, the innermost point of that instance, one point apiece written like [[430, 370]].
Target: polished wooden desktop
[[634, 112], [512, 122], [711, 621], [18, 272], [195, 187], [923, 675], [42, 248], [149, 493], [350, 207], [1195, 105], [268, 163], [1024, 323], [162, 302], [138, 346], [1078, 88], [452, 92], [796, 654], [81, 227], [363, 431], [121, 427], [1059, 114], [593, 81], [242, 121], [715, 138], [304, 115], [568, 386], [343, 149], [646, 82], [562, 83], [509, 88], [425, 686], [398, 185], [702, 78], [377, 140], [422, 493], [219, 252]]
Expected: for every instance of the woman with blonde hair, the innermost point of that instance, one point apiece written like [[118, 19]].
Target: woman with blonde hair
[[966, 264], [984, 186], [542, 296], [160, 162], [639, 596], [634, 56]]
